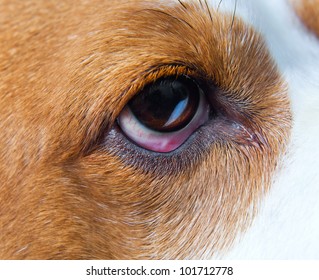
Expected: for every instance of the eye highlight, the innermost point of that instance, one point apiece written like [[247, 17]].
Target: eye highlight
[[165, 113]]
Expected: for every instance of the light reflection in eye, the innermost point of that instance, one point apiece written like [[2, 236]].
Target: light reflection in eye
[[179, 109]]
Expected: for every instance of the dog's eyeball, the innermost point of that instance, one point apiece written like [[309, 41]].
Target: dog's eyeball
[[165, 113], [167, 105]]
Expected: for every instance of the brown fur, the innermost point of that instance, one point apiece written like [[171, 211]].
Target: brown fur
[[308, 11], [72, 186]]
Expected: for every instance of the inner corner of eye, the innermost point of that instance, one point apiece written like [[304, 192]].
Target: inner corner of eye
[[164, 114]]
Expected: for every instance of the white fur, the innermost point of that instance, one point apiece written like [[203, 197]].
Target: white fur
[[287, 226]]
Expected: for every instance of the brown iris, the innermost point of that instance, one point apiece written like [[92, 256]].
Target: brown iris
[[168, 104]]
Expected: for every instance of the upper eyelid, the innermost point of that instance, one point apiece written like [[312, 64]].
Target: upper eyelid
[[169, 59]]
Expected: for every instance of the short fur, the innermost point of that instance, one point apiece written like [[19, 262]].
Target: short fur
[[287, 226], [73, 187]]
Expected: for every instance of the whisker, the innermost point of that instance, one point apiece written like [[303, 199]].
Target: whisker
[[209, 12], [234, 14], [219, 5], [182, 4]]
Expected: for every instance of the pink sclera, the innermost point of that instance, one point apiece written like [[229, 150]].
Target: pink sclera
[[162, 142]]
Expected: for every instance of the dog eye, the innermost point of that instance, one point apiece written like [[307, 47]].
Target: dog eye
[[165, 113]]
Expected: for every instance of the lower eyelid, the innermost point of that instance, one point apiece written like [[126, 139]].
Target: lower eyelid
[[220, 134], [163, 164]]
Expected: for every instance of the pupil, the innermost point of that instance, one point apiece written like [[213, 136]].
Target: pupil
[[168, 104]]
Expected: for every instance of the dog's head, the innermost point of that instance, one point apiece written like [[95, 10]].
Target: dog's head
[[136, 129]]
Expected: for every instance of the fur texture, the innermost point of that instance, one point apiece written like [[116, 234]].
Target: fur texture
[[74, 187], [287, 226]]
